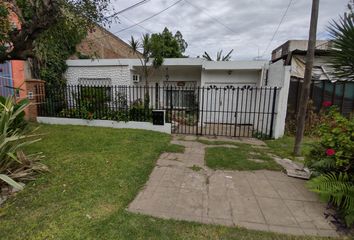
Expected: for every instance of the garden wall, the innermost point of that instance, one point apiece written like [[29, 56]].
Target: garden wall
[[106, 123]]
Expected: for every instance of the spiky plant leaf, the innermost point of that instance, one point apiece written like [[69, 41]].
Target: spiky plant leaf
[[342, 52], [11, 182]]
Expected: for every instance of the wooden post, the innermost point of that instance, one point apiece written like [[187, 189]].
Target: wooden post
[[305, 90]]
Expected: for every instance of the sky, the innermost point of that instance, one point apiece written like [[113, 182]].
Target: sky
[[247, 26]]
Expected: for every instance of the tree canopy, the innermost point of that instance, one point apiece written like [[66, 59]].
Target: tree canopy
[[167, 45], [44, 19], [156, 47]]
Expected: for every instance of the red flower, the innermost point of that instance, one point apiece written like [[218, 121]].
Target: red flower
[[330, 152], [326, 104]]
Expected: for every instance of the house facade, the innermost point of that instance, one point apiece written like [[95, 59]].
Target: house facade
[[239, 98]]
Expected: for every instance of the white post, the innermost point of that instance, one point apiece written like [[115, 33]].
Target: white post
[[282, 105]]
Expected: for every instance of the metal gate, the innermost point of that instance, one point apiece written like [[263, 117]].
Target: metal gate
[[245, 111]]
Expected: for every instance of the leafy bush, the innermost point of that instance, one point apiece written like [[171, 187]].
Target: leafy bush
[[332, 162], [15, 165], [313, 120], [138, 111]]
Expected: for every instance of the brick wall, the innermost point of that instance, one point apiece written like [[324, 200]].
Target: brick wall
[[35, 94], [101, 43]]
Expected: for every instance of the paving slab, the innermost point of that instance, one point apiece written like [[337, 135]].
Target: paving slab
[[260, 200]]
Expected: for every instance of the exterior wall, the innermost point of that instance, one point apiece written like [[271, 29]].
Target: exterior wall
[[119, 75], [235, 77], [301, 45], [190, 75], [102, 44], [276, 74], [106, 123]]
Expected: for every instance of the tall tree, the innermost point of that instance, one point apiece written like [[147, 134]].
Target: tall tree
[[342, 52], [150, 57], [219, 56], [167, 44], [181, 42], [41, 17]]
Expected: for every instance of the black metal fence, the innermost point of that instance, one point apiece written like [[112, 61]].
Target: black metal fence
[[213, 110], [340, 93]]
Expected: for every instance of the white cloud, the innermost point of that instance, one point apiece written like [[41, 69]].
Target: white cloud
[[253, 23]]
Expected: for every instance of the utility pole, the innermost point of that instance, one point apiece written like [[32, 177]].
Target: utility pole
[[305, 90]]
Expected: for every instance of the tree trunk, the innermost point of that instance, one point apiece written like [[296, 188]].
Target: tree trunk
[[305, 90]]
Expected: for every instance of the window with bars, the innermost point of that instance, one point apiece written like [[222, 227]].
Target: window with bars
[[98, 88], [180, 98]]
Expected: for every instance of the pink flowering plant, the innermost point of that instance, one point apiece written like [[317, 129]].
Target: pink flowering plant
[[332, 163], [335, 151]]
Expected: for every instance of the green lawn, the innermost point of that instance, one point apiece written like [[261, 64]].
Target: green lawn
[[95, 173], [228, 158], [283, 147]]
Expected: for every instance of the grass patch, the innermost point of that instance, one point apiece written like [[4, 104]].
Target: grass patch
[[238, 159], [283, 147], [195, 168], [95, 174], [174, 148]]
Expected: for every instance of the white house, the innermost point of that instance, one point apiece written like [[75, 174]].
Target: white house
[[173, 72], [230, 95]]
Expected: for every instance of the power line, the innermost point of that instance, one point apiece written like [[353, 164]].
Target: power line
[[152, 16], [215, 19], [137, 24], [129, 8], [276, 31]]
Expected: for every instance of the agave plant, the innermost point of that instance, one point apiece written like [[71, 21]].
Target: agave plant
[[15, 166]]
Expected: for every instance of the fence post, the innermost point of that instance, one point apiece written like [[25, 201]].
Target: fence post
[[171, 105], [273, 112]]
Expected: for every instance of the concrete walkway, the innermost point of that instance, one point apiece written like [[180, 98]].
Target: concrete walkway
[[182, 187]]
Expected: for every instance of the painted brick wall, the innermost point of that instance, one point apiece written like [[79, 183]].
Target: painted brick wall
[[120, 75]]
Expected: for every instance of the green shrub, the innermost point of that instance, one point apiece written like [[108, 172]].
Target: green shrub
[[15, 165], [138, 112], [332, 163]]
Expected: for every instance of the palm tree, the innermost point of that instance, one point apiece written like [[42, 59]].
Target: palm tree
[[219, 56], [342, 52]]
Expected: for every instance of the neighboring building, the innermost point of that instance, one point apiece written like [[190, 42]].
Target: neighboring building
[[13, 73], [102, 44], [324, 87]]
